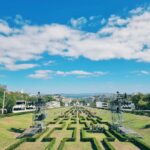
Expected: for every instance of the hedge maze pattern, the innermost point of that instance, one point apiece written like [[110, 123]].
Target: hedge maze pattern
[[80, 126]]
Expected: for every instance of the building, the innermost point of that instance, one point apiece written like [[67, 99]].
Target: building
[[23, 106], [53, 104], [67, 104], [128, 106], [100, 104]]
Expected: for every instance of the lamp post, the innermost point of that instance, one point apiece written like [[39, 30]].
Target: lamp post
[[3, 107]]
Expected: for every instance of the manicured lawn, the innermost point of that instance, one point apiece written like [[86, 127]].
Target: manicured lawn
[[59, 135], [77, 146], [124, 145], [11, 126], [132, 121], [33, 146]]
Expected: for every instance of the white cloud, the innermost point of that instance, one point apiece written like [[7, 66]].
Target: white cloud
[[49, 63], [142, 72], [4, 28], [121, 38], [80, 73], [41, 74], [20, 21], [145, 72], [45, 74], [79, 22], [14, 67]]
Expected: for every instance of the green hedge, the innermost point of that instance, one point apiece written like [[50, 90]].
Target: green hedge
[[15, 145], [27, 139], [30, 139], [93, 141], [72, 139], [140, 144], [85, 123], [47, 136], [118, 135], [51, 144], [107, 145], [110, 137]]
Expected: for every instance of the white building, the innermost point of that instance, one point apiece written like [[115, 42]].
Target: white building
[[88, 104], [67, 104], [53, 104], [22, 106], [128, 106], [101, 104]]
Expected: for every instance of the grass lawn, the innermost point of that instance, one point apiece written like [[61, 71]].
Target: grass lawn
[[99, 137], [132, 121], [77, 146], [124, 145], [33, 146], [11, 126]]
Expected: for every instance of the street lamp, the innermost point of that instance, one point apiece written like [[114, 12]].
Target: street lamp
[[4, 96]]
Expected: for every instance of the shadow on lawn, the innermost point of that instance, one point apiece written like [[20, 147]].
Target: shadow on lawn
[[16, 130]]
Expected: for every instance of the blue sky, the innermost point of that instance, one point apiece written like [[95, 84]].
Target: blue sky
[[66, 46]]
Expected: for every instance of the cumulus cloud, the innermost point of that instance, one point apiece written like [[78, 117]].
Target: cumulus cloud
[[41, 74], [120, 38], [79, 22], [49, 63], [142, 72], [14, 67], [45, 74], [20, 21]]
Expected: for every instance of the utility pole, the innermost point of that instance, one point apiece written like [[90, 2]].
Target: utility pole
[[3, 102]]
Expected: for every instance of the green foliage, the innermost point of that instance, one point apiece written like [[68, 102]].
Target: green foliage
[[15, 145], [107, 145], [141, 101], [118, 135], [48, 98], [12, 97], [72, 139], [93, 141], [140, 144], [110, 137]]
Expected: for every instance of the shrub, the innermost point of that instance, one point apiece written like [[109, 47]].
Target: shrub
[[118, 135], [30, 139], [50, 145], [140, 144], [62, 143], [93, 141], [15, 145], [107, 145], [47, 136], [110, 137], [72, 139]]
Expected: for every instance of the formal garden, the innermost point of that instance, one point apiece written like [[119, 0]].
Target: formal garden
[[68, 128]]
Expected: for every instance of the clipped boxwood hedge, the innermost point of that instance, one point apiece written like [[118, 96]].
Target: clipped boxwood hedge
[[107, 145], [93, 141], [118, 135], [15, 145], [51, 144], [110, 137], [72, 139], [47, 136], [140, 144]]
